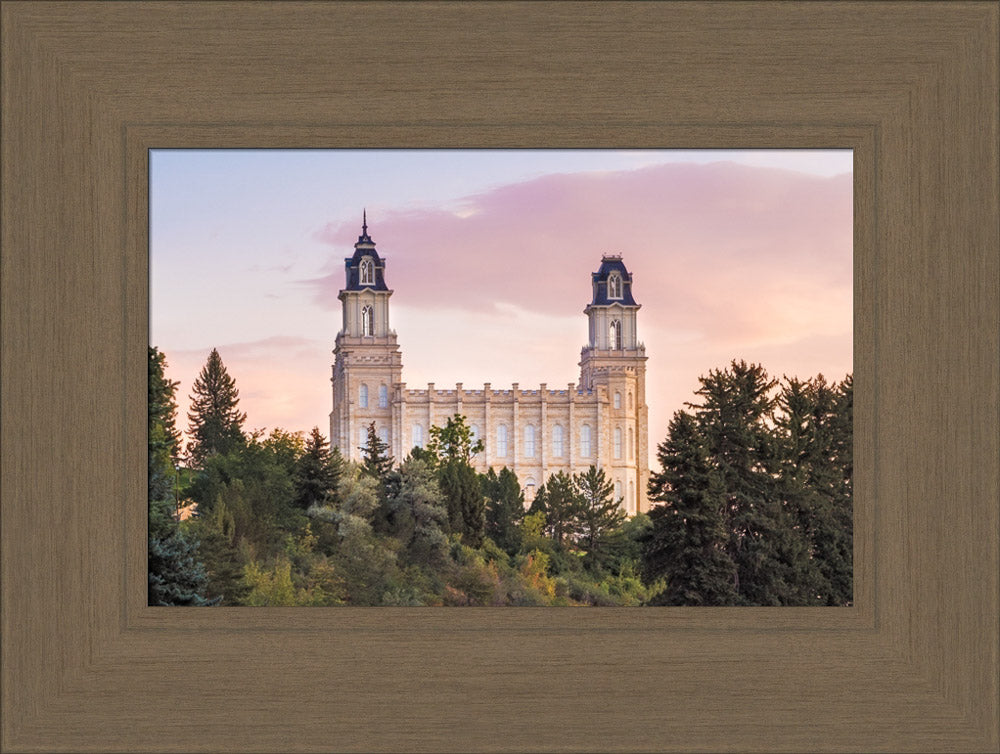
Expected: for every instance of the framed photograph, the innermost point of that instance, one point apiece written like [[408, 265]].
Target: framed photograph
[[90, 89], [522, 378]]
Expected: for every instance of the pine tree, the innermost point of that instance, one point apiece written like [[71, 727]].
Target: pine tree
[[504, 508], [600, 514], [317, 472], [215, 423], [561, 502], [737, 406], [688, 542], [376, 461], [808, 431], [175, 575]]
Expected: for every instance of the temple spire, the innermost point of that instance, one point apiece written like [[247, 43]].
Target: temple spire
[[364, 237]]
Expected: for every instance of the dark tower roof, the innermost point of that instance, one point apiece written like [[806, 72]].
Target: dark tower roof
[[365, 247], [611, 263]]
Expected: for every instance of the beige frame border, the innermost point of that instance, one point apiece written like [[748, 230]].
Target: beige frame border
[[88, 88]]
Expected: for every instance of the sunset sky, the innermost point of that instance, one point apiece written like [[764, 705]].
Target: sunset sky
[[735, 255]]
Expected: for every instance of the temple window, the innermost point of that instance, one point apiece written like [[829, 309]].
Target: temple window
[[614, 285], [367, 271], [502, 441], [367, 320], [615, 335]]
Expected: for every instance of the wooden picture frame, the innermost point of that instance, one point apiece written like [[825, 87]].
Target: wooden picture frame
[[88, 88]]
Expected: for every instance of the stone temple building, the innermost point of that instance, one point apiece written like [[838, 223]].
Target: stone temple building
[[536, 432]]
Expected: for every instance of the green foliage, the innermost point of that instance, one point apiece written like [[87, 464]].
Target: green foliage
[[175, 573], [453, 442], [560, 500], [255, 483], [463, 497], [417, 516], [449, 452], [504, 508], [688, 541], [599, 515], [317, 471], [221, 554], [756, 493], [377, 462], [215, 423]]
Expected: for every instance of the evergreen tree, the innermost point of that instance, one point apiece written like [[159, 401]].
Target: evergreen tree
[[466, 506], [600, 514], [375, 458], [215, 423], [809, 433], [737, 407], [688, 542], [174, 573], [317, 471], [504, 508], [561, 503]]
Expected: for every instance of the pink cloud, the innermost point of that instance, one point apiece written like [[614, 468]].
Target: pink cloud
[[715, 243], [729, 262]]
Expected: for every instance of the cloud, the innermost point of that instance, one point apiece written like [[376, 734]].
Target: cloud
[[728, 251], [729, 261]]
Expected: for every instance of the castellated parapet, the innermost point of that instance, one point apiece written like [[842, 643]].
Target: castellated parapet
[[536, 432]]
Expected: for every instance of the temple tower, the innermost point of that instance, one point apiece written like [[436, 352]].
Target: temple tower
[[613, 365], [367, 362]]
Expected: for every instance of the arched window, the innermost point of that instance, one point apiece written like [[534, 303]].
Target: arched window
[[362, 437], [418, 436], [502, 441], [618, 442], [363, 396], [618, 491], [630, 399], [614, 285], [631, 445], [383, 435], [367, 271], [585, 441], [631, 497], [529, 441], [474, 433], [615, 335], [367, 320], [557, 441], [383, 396], [618, 399]]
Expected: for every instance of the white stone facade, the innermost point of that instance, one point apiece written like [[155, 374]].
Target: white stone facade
[[601, 421]]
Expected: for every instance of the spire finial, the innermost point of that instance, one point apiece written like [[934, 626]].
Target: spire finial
[[364, 221]]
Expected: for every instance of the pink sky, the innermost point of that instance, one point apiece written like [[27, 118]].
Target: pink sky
[[730, 261]]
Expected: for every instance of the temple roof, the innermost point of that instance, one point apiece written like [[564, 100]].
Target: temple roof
[[365, 247], [611, 263]]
